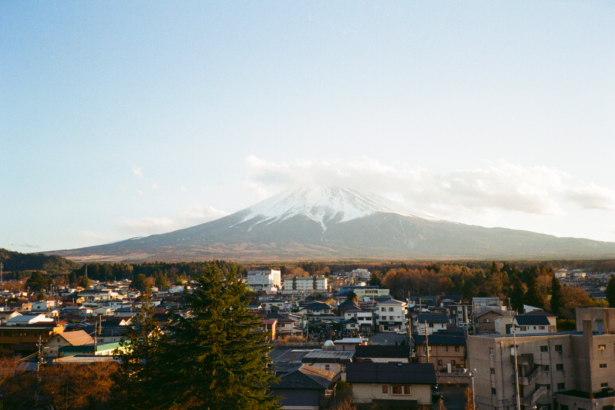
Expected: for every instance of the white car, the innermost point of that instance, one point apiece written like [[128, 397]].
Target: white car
[[401, 332]]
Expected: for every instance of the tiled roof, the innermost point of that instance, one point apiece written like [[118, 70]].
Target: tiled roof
[[305, 377], [383, 351], [77, 338], [432, 318], [402, 373]]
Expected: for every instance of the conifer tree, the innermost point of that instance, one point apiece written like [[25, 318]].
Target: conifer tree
[[138, 355], [610, 291], [556, 296], [214, 359], [533, 297], [517, 294]]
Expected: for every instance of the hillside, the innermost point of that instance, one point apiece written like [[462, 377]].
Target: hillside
[[53, 264]]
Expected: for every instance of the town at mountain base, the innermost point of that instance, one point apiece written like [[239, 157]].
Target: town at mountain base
[[339, 224]]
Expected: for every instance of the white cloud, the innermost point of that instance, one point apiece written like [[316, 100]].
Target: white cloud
[[139, 192], [137, 171], [183, 188], [154, 185], [500, 186], [184, 218]]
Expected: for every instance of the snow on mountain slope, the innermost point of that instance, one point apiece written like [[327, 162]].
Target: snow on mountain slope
[[325, 206]]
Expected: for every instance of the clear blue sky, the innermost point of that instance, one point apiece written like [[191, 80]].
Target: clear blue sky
[[120, 119]]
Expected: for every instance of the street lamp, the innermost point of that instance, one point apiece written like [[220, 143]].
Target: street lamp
[[471, 374]]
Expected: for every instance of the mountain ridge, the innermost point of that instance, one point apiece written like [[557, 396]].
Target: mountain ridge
[[338, 224]]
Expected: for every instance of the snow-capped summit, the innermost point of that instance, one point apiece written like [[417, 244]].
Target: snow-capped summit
[[326, 206]]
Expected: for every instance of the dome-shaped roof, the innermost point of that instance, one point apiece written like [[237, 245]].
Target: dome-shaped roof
[[329, 343]]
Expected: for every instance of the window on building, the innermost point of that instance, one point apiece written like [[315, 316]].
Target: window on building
[[486, 321], [544, 349], [396, 390], [541, 327], [523, 328], [561, 386], [603, 365], [492, 370], [390, 309], [558, 348], [456, 348], [559, 367], [563, 407], [327, 367], [493, 391], [439, 362], [385, 389], [430, 324], [406, 389], [452, 363], [548, 387], [601, 347], [491, 351], [604, 385], [547, 368], [384, 309]]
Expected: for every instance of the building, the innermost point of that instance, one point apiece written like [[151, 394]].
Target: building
[[392, 384], [349, 343], [23, 339], [391, 315], [536, 321], [330, 360], [76, 338], [446, 352], [269, 280], [556, 371], [382, 354], [364, 293], [492, 321], [305, 388], [428, 323], [363, 319], [316, 309], [306, 284]]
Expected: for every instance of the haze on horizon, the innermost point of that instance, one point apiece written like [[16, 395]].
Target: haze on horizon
[[127, 119]]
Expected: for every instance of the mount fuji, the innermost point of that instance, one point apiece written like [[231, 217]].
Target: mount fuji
[[338, 224]]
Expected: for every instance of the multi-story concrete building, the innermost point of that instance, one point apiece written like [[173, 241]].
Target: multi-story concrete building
[[269, 280], [556, 371], [306, 284], [391, 315]]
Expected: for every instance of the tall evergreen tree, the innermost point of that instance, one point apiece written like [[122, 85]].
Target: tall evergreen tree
[[610, 291], [533, 297], [139, 359], [517, 294], [216, 359], [556, 296]]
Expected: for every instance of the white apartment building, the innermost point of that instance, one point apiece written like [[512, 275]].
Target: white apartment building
[[391, 315], [306, 284], [269, 280]]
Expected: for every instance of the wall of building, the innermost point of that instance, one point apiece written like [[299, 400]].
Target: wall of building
[[367, 392]]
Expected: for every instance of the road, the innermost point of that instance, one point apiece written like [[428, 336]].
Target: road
[[454, 399]]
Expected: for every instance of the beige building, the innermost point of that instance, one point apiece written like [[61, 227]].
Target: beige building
[[558, 371], [446, 352], [394, 384], [492, 321]]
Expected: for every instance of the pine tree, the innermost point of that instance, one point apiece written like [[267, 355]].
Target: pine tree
[[215, 359], [610, 291], [73, 278], [138, 355], [556, 296], [517, 294], [533, 297]]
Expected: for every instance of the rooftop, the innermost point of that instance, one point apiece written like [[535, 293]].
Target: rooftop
[[396, 373]]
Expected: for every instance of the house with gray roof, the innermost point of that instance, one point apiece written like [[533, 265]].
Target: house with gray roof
[[305, 387]]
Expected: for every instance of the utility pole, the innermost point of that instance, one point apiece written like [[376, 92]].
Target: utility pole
[[1, 272], [516, 366], [426, 341]]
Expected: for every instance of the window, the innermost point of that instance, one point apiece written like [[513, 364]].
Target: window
[[406, 389], [493, 391], [523, 328], [492, 370], [491, 351], [390, 309], [604, 385], [603, 365], [558, 348], [548, 387], [456, 348], [396, 390], [547, 368], [384, 309], [601, 347], [430, 324], [385, 389], [486, 321], [439, 362], [563, 407], [559, 367], [541, 327], [561, 386], [452, 363], [544, 349], [446, 347]]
